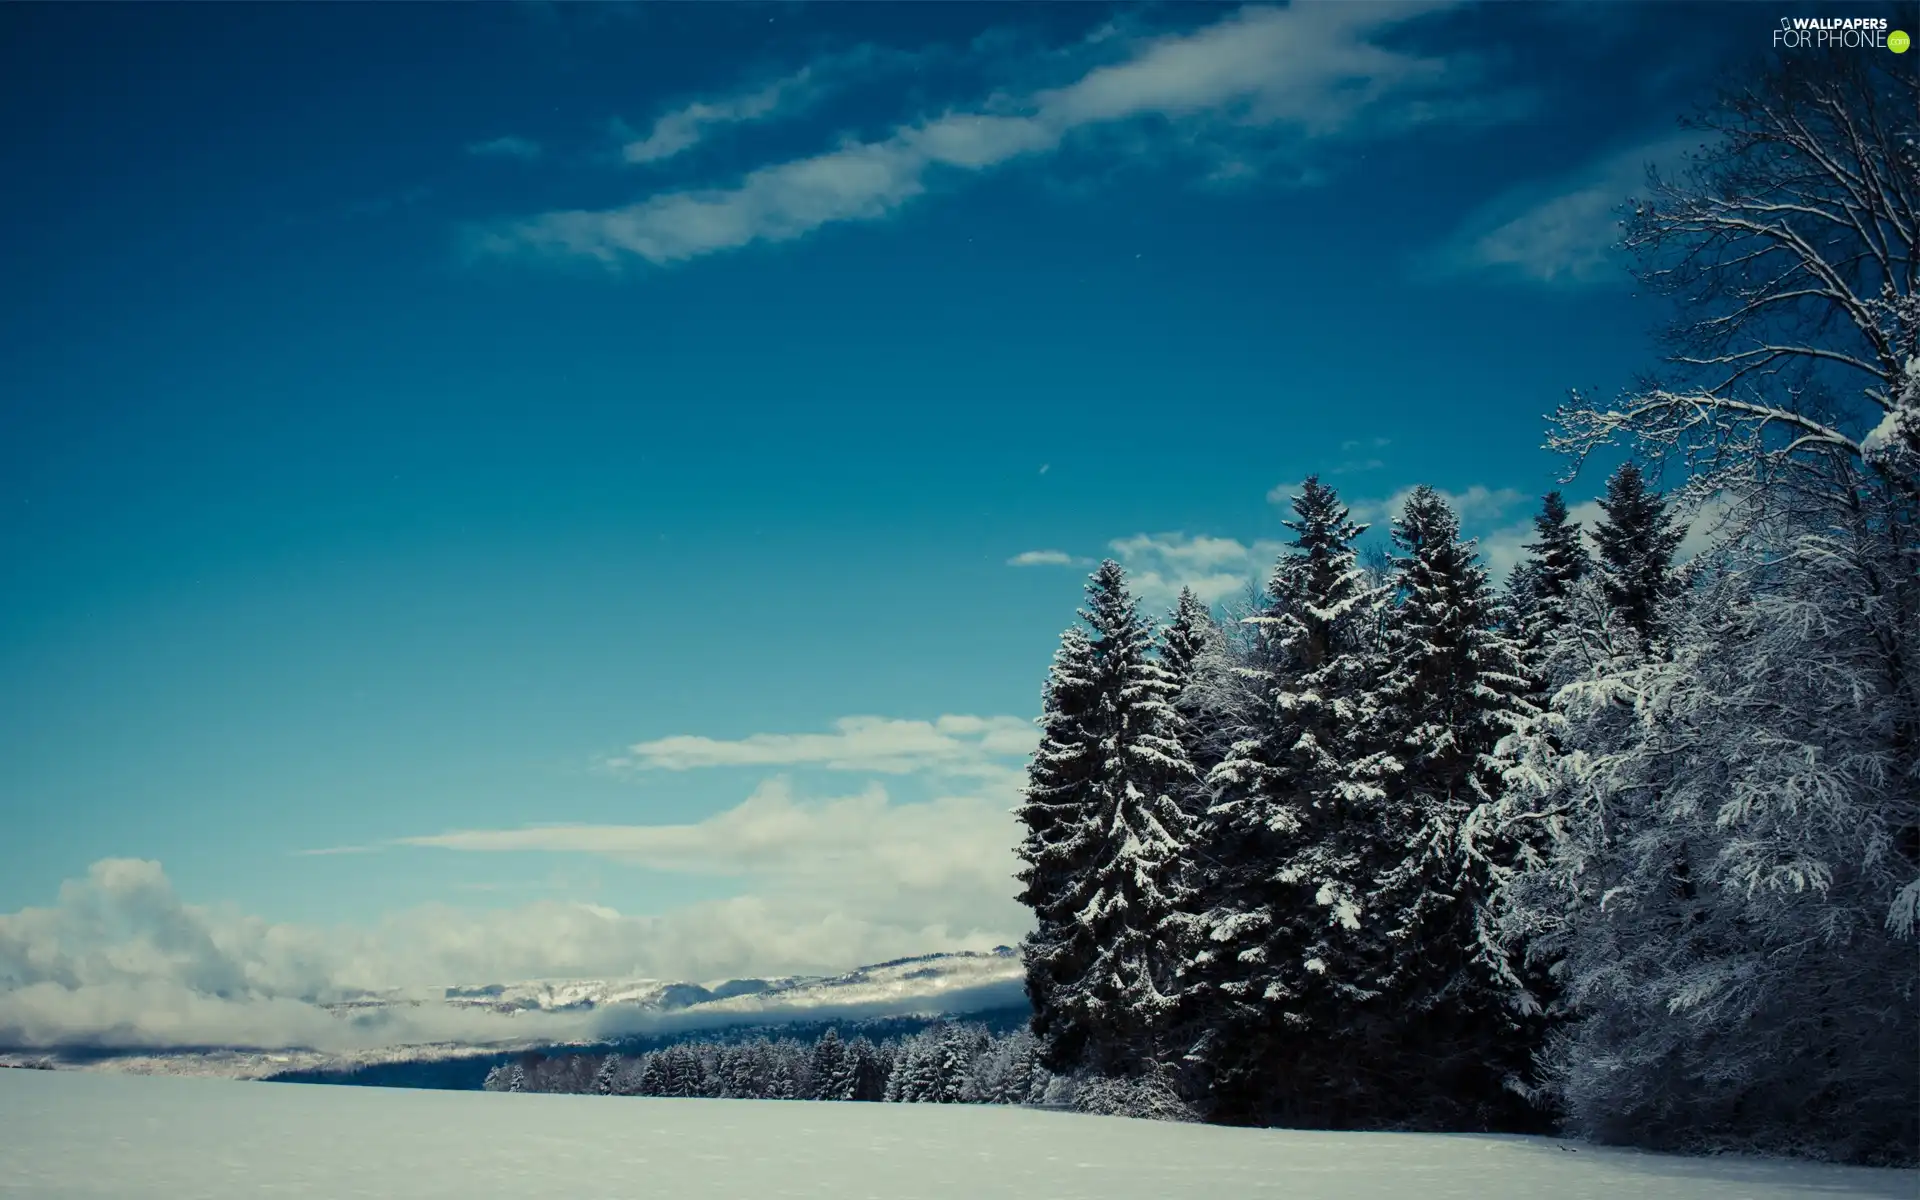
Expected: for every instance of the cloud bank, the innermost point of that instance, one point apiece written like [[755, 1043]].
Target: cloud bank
[[826, 883]]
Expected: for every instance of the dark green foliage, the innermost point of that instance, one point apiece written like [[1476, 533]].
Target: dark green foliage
[[1637, 542], [1106, 839]]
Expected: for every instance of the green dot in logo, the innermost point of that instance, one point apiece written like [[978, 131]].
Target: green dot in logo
[[1898, 41]]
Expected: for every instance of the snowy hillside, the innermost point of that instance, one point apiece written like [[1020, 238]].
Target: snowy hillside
[[556, 1012], [84, 1135], [933, 979]]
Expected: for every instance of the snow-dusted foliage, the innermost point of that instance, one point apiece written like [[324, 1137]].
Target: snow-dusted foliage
[[1637, 845], [1727, 891], [1266, 882], [1540, 593], [1152, 1096], [1436, 1028], [1193, 652], [1190, 636], [1729, 826], [1106, 839], [1893, 446], [1637, 540], [948, 1062]]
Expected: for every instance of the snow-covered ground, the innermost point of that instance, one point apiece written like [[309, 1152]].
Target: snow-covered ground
[[74, 1134]]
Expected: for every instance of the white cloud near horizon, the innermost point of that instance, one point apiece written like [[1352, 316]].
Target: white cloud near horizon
[[121, 960], [825, 884], [1565, 231], [1159, 565], [1303, 72]]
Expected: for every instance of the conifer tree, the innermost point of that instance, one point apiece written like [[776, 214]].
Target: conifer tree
[[1637, 542], [1433, 1040], [1192, 653], [871, 1066], [782, 1081], [1290, 740], [1190, 634], [1556, 563], [603, 1079], [1105, 840], [1025, 1075], [835, 1068]]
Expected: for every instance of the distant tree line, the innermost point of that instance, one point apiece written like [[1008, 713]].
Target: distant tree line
[[948, 1062], [1629, 846]]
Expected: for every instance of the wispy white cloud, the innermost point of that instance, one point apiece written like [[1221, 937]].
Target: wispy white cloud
[[1564, 232], [940, 861], [1047, 558], [506, 147], [1304, 72], [683, 128], [953, 745]]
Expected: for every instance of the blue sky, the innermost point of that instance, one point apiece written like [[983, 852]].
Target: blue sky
[[431, 425]]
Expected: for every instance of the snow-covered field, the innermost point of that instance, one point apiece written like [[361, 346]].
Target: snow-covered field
[[70, 1134]]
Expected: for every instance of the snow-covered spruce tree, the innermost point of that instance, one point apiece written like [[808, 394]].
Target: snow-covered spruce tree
[[735, 1072], [1194, 655], [1189, 636], [836, 1068], [958, 1049], [1105, 841], [1767, 997], [605, 1079], [783, 1075], [1424, 1032], [917, 1065], [1542, 589], [1759, 999], [1279, 789], [1005, 1072], [1055, 852], [871, 1067], [1637, 540]]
